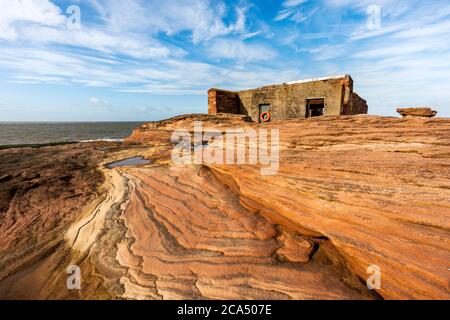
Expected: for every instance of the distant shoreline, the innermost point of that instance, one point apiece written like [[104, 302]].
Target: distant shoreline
[[35, 135], [35, 145], [69, 122], [52, 144]]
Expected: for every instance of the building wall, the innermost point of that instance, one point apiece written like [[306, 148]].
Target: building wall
[[222, 101], [353, 103], [288, 101], [356, 105]]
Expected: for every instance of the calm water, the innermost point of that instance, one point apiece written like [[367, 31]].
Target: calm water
[[134, 161], [14, 133]]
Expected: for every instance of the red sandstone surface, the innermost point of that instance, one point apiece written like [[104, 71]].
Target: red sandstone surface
[[350, 192]]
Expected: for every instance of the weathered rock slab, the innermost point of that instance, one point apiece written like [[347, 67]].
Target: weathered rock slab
[[417, 112]]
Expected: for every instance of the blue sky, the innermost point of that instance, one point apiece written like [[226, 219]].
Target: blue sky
[[146, 60]]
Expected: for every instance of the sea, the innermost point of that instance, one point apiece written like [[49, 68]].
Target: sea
[[37, 133]]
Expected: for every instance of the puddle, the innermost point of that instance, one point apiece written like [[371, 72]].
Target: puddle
[[134, 161]]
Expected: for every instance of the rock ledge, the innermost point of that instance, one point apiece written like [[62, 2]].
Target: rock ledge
[[417, 112]]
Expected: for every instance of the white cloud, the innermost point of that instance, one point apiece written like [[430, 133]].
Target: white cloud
[[165, 77], [37, 79], [293, 3], [293, 11], [250, 35], [13, 13], [41, 23], [203, 18], [96, 102], [296, 11], [239, 50], [98, 40], [121, 50]]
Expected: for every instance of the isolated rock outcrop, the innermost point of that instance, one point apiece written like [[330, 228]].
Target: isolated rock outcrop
[[417, 112]]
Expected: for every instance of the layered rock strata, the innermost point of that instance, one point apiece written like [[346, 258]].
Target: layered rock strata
[[350, 193]]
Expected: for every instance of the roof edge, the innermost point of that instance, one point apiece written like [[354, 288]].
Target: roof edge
[[320, 79]]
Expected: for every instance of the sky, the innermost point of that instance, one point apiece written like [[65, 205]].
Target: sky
[[137, 60]]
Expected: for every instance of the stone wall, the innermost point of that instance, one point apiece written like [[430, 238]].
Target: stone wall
[[289, 101], [222, 101], [355, 105]]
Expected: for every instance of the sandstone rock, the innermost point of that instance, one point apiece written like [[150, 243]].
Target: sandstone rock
[[5, 177], [197, 241], [296, 248], [350, 193], [36, 209], [417, 112], [377, 187]]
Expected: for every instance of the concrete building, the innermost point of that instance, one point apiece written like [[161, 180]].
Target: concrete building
[[298, 99]]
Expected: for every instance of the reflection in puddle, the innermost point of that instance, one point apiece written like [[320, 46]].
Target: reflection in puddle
[[134, 161]]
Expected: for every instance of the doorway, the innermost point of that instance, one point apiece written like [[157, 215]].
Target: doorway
[[262, 109], [315, 108]]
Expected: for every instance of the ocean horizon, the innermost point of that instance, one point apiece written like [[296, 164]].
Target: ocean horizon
[[47, 132]]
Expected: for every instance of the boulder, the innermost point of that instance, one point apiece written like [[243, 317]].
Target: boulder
[[417, 112]]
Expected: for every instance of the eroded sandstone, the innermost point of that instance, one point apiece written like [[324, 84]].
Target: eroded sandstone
[[350, 192], [377, 187], [417, 112]]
